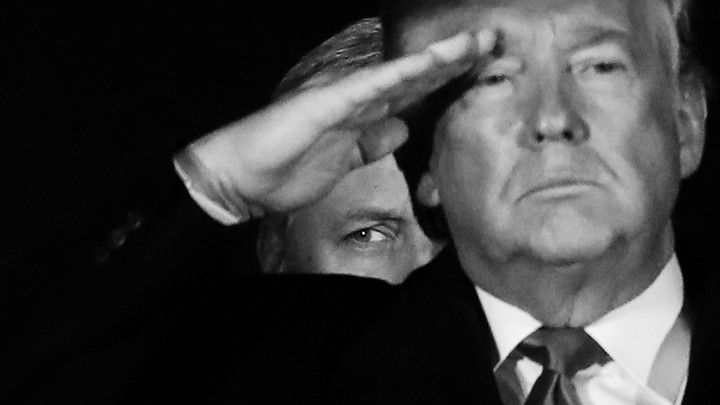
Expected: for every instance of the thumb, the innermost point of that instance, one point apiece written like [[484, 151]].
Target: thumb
[[381, 138]]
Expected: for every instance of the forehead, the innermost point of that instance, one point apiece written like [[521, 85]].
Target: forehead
[[376, 188], [568, 18]]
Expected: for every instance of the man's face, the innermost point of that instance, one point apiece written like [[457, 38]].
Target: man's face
[[566, 147], [365, 227]]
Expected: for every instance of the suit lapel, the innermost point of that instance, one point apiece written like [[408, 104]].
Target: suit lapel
[[702, 288], [431, 345]]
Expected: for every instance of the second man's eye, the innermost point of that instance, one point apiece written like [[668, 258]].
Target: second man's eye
[[367, 236]]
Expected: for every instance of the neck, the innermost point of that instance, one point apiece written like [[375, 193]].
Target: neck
[[572, 294]]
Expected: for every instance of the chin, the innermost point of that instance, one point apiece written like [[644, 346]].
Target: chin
[[570, 240]]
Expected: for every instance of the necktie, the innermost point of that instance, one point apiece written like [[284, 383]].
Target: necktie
[[562, 352]]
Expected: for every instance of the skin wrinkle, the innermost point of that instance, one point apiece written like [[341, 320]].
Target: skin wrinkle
[[566, 263]]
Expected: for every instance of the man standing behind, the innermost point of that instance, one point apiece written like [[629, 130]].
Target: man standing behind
[[366, 225]]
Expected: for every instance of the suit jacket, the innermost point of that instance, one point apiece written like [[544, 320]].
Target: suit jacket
[[432, 343], [95, 307], [148, 318], [424, 342]]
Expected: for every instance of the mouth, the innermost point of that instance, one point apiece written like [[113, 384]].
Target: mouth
[[560, 189]]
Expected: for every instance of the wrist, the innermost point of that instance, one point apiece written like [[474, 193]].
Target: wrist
[[209, 184]]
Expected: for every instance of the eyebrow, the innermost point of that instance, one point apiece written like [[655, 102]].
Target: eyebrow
[[579, 34], [586, 37], [373, 213]]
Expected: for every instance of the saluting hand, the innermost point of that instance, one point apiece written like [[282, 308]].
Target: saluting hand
[[294, 151]]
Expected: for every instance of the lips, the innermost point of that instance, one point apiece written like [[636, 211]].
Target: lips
[[560, 187]]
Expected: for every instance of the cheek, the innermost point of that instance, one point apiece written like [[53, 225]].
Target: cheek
[[654, 159], [308, 248], [635, 138], [476, 148], [387, 264], [326, 256], [301, 252], [475, 161]]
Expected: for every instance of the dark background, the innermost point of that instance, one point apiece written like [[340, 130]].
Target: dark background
[[90, 86]]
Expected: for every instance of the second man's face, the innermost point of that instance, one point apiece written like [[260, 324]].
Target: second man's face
[[364, 227], [566, 146]]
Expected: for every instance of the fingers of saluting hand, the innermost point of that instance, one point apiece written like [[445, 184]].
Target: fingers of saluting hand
[[293, 151], [373, 93], [379, 140]]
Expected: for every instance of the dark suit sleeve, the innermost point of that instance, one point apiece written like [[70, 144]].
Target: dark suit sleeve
[[88, 302], [271, 339]]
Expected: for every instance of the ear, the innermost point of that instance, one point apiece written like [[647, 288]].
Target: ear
[[427, 191], [271, 246], [692, 114]]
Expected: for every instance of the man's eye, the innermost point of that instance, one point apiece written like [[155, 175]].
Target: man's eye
[[493, 80], [609, 67], [368, 236], [604, 68]]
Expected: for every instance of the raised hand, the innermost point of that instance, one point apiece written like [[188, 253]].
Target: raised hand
[[294, 151]]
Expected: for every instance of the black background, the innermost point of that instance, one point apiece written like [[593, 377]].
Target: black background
[[88, 86]]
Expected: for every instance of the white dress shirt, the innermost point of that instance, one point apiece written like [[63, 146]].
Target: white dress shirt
[[212, 208], [647, 339]]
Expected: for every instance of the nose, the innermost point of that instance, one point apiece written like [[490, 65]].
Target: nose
[[555, 118]]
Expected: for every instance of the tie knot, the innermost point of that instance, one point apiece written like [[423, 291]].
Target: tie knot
[[563, 350]]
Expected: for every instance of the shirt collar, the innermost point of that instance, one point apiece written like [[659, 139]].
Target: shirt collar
[[631, 334], [509, 324]]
